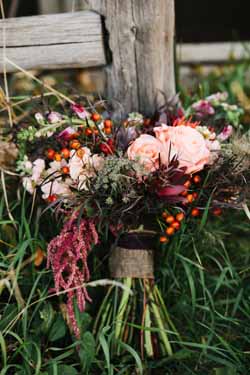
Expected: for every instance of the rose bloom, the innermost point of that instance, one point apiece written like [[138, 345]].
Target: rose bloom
[[148, 150], [188, 145]]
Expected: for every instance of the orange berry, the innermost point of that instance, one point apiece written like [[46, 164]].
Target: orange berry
[[50, 153], [88, 132], [65, 153], [195, 212], [170, 219], [96, 116], [57, 157], [164, 239], [39, 256], [176, 225], [80, 153], [65, 170], [52, 198], [108, 130], [96, 132], [195, 195], [187, 184], [170, 231], [184, 193], [180, 216], [75, 144], [190, 198], [108, 124], [217, 211], [164, 215], [197, 179]]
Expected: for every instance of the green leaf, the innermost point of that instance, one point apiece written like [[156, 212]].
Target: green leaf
[[225, 371], [58, 329], [47, 314], [134, 354], [87, 351], [67, 370]]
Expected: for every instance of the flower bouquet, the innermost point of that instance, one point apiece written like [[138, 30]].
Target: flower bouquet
[[135, 180]]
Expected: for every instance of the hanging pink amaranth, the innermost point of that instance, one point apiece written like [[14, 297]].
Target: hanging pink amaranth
[[67, 255]]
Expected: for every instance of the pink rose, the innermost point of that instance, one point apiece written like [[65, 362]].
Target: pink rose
[[188, 145], [148, 150], [164, 135]]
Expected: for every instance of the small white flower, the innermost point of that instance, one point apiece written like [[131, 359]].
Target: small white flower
[[28, 184], [78, 161], [37, 169], [56, 187], [39, 118], [54, 117]]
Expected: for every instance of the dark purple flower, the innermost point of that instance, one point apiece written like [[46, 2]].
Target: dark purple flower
[[171, 190]]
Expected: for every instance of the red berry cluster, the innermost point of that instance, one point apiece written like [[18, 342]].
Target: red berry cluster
[[174, 221]]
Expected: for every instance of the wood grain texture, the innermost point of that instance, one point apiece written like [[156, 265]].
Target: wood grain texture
[[141, 39], [53, 41]]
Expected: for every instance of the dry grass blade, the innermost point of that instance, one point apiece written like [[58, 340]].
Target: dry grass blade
[[6, 199], [30, 75]]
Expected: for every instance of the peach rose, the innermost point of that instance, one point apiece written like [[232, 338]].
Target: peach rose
[[163, 133], [148, 150], [188, 144]]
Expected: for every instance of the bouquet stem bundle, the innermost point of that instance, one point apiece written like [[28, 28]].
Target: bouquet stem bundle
[[138, 313]]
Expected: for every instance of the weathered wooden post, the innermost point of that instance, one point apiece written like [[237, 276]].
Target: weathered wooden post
[[141, 40]]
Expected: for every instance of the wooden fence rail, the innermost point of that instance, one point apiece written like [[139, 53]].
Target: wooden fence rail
[[52, 41], [140, 42]]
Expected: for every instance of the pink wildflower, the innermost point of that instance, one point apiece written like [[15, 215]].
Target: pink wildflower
[[79, 110], [67, 255], [226, 133], [54, 117], [203, 108], [67, 133]]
